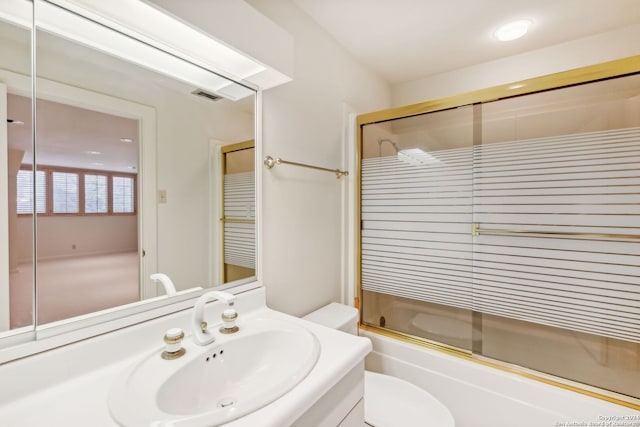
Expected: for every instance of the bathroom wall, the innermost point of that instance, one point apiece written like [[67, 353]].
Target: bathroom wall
[[183, 171], [577, 53], [303, 122]]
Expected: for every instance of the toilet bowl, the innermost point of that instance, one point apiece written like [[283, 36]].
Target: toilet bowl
[[388, 401]]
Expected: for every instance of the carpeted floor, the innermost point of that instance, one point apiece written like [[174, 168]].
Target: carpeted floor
[[74, 286]]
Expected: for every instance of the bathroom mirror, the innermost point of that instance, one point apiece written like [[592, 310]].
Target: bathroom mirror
[[123, 166]]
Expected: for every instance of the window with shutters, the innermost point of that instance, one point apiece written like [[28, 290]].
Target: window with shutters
[[65, 191]]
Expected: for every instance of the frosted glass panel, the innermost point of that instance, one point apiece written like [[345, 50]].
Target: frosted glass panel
[[416, 223], [417, 208], [240, 204], [415, 236], [529, 197]]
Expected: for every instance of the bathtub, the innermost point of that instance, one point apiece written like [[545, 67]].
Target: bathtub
[[483, 396]]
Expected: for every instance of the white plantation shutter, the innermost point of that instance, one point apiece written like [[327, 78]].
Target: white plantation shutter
[[66, 192], [239, 214], [25, 192], [96, 194], [123, 194], [559, 222]]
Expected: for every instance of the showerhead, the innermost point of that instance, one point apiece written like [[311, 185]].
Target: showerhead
[[395, 146]]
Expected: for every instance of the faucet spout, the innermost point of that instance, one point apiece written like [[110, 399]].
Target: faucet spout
[[166, 282], [201, 334]]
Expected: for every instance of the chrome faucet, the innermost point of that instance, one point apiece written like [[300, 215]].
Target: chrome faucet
[[201, 334]]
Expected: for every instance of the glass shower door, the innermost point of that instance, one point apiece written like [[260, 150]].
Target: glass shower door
[[416, 216], [509, 231]]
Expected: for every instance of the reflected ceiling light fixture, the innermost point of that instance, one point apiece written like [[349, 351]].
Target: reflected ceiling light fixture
[[417, 157], [93, 153], [126, 139], [412, 156], [15, 122], [512, 30]]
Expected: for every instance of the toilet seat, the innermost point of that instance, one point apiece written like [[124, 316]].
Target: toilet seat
[[393, 402]]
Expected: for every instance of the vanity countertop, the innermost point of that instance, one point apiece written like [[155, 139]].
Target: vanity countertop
[[62, 388]]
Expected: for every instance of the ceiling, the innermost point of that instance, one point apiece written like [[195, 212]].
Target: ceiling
[[402, 40], [73, 137]]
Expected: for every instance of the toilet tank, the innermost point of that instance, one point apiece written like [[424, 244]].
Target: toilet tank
[[336, 316]]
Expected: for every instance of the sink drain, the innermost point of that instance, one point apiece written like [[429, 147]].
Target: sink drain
[[226, 401]]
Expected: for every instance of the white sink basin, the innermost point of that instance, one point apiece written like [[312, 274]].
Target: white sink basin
[[214, 384]]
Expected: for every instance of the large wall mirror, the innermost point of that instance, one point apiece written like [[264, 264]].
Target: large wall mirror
[[111, 172]]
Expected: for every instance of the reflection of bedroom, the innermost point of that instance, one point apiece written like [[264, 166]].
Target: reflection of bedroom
[[176, 133], [87, 222]]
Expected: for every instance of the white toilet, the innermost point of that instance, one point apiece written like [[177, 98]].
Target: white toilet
[[388, 401]]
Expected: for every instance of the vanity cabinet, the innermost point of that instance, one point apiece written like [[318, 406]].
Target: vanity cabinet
[[341, 406], [71, 384]]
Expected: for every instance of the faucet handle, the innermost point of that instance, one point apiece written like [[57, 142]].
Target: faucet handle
[[173, 339], [173, 336], [229, 317]]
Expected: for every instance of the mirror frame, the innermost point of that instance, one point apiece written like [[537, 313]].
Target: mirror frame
[[23, 342]]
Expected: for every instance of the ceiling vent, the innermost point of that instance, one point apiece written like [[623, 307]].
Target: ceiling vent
[[205, 94]]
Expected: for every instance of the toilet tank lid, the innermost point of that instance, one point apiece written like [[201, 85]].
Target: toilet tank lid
[[334, 315]]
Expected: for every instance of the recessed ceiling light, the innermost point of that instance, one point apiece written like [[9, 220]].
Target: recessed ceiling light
[[126, 139], [512, 30], [15, 122]]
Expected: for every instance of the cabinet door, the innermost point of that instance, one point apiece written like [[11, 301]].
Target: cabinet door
[[355, 418]]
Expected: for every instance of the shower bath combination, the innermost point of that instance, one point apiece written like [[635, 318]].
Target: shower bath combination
[[514, 235]]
